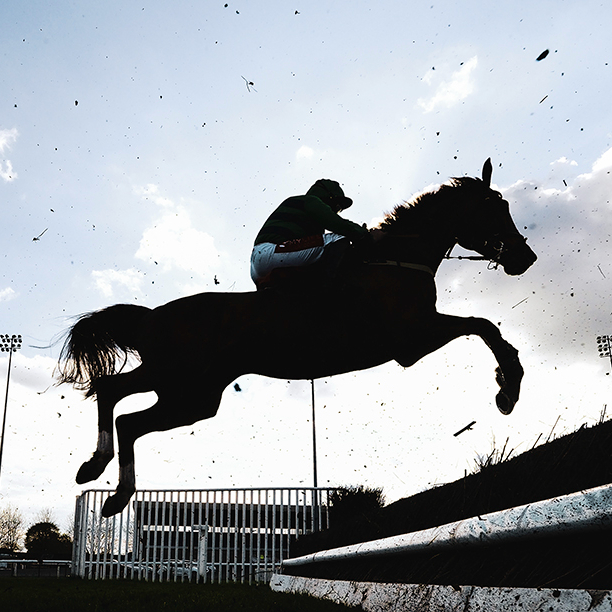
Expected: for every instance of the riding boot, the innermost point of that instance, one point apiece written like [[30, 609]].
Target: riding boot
[[332, 259]]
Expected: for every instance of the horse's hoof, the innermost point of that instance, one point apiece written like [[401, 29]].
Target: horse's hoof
[[92, 469], [504, 403], [115, 504], [88, 472]]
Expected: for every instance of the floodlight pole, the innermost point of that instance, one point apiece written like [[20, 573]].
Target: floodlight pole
[[604, 346], [314, 436], [315, 493], [10, 344]]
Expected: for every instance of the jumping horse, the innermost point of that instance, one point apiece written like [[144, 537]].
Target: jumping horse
[[381, 308]]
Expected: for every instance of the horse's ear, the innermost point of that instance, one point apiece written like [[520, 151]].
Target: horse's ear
[[487, 171]]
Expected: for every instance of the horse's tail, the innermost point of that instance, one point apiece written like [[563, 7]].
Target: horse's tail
[[96, 342]]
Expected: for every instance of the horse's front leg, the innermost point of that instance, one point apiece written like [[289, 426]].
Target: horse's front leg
[[441, 329], [509, 371]]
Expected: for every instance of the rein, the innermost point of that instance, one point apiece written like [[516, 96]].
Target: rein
[[470, 257], [402, 264], [492, 265]]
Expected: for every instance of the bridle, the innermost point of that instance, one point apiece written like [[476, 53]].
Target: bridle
[[500, 248]]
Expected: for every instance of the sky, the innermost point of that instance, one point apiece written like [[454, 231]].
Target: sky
[[143, 144]]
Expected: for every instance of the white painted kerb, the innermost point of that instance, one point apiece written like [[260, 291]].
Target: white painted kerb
[[379, 597], [586, 510]]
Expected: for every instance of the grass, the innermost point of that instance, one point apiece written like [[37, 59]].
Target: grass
[[74, 594]]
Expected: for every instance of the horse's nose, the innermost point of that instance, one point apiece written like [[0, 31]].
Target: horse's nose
[[520, 262]]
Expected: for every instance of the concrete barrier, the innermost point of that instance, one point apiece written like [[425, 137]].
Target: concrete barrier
[[379, 597], [577, 512], [581, 512]]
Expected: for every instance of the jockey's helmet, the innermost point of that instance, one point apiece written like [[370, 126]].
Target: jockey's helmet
[[331, 193]]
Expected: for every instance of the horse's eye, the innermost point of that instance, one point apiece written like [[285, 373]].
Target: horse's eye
[[495, 196]]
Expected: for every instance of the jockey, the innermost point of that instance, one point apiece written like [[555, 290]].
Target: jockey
[[294, 234]]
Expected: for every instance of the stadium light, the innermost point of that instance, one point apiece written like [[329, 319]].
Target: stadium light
[[10, 345], [604, 347]]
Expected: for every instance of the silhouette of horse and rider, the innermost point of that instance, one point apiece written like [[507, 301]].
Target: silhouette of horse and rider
[[371, 294]]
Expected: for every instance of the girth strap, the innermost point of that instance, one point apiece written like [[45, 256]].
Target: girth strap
[[403, 264]]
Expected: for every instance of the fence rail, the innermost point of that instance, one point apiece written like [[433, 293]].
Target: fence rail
[[214, 535], [32, 567]]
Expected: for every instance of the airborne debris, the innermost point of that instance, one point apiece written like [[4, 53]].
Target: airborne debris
[[542, 55], [237, 388], [249, 85], [39, 235], [466, 428], [520, 302]]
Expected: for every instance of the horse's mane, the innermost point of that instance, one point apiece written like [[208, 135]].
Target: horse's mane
[[410, 214]]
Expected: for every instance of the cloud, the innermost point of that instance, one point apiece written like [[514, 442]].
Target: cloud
[[450, 92], [7, 294], [7, 138], [151, 192], [564, 161], [34, 373], [604, 162], [304, 152], [110, 282], [172, 242]]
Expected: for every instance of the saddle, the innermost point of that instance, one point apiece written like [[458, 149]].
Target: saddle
[[295, 278]]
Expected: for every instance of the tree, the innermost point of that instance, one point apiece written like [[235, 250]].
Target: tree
[[44, 541], [11, 529], [355, 510], [45, 515], [353, 503]]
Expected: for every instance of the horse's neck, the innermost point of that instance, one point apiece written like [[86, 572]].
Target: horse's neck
[[425, 243], [428, 232], [438, 229]]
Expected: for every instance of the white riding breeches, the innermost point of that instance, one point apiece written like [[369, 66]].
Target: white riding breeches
[[296, 253]]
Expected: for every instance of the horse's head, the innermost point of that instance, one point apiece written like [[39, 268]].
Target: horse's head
[[489, 229]]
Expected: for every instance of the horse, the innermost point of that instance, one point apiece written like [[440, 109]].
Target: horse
[[294, 334]]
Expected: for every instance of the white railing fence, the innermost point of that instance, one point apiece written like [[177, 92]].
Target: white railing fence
[[215, 535]]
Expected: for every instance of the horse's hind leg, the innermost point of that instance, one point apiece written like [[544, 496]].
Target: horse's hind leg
[[168, 413], [109, 391]]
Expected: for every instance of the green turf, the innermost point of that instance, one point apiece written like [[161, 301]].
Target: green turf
[[73, 594]]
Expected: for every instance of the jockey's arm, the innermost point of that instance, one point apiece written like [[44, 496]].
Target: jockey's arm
[[332, 221], [377, 234]]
